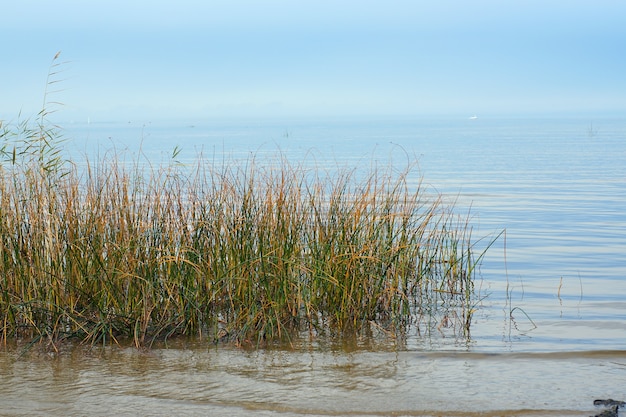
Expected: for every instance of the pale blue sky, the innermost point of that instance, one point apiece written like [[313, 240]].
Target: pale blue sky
[[195, 59]]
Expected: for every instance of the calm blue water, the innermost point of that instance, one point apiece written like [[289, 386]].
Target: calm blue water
[[555, 186], [549, 333]]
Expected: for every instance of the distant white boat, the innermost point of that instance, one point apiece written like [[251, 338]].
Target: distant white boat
[[474, 117]]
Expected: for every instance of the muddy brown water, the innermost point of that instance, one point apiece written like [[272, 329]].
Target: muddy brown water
[[548, 336]]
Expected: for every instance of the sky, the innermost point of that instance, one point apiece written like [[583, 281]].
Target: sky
[[124, 59]]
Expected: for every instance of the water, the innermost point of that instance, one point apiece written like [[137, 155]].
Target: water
[[548, 336], [195, 381]]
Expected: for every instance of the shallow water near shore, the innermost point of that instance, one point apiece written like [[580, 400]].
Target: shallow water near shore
[[549, 332], [189, 379]]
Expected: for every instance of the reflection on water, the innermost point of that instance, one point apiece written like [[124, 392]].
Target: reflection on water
[[548, 336]]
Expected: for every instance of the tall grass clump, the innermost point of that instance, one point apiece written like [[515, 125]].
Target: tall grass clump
[[251, 250]]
